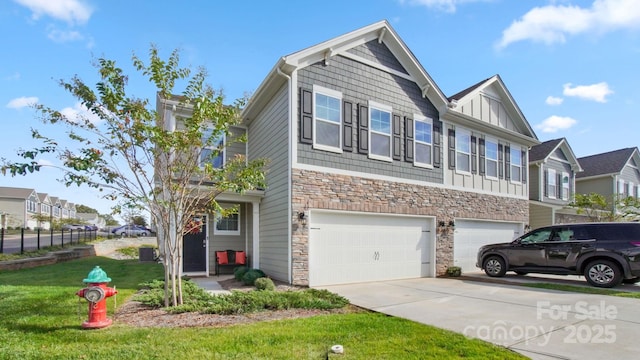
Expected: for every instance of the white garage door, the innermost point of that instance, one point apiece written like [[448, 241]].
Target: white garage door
[[469, 236], [348, 248]]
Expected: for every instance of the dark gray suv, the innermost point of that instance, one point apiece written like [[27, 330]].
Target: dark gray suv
[[605, 253]]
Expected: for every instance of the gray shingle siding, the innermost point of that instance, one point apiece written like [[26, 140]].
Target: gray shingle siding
[[375, 51], [358, 84]]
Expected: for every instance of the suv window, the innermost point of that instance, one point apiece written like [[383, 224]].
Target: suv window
[[536, 236]]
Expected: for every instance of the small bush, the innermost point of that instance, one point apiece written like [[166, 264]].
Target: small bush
[[249, 278], [454, 271], [239, 272], [265, 284]]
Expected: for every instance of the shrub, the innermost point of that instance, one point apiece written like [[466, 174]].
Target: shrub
[[239, 272], [249, 278], [265, 283], [454, 271]]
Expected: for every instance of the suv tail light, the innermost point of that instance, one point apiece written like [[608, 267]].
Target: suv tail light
[[635, 243]]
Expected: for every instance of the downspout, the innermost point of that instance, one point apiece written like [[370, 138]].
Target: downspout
[[289, 175]]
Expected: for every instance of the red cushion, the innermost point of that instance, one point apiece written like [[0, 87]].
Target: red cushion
[[241, 257], [222, 257]]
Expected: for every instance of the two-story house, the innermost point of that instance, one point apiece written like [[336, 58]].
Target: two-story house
[[614, 174], [19, 206], [373, 172], [552, 171]]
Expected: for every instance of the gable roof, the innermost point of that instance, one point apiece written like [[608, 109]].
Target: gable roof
[[380, 31], [16, 193], [609, 163], [495, 82], [541, 152]]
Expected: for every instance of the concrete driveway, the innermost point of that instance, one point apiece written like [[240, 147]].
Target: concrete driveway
[[540, 324]]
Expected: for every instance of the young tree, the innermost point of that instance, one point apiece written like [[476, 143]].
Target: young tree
[[136, 158], [598, 208]]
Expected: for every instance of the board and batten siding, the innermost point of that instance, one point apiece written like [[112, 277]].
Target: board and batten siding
[[268, 138]]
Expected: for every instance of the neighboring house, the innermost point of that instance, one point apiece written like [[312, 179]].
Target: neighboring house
[[56, 206], [45, 210], [374, 173], [613, 174], [92, 219], [552, 173], [19, 206]]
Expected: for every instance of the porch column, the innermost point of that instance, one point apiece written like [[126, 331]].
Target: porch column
[[255, 205]]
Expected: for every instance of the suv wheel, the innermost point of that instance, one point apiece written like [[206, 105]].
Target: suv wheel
[[494, 266], [603, 273]]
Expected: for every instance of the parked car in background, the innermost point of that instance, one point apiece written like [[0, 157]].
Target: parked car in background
[[91, 227], [73, 227], [605, 253], [130, 230]]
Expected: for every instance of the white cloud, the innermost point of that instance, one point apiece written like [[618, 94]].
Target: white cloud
[[43, 162], [78, 112], [63, 36], [71, 11], [553, 23], [22, 102], [555, 123], [552, 100], [441, 5], [596, 92], [14, 76]]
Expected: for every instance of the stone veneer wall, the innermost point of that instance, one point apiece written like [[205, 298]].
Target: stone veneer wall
[[317, 190]]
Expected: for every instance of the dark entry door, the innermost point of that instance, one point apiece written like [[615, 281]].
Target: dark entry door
[[194, 251]]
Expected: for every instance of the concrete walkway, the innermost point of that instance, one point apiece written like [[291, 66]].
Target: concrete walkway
[[210, 284], [540, 324]]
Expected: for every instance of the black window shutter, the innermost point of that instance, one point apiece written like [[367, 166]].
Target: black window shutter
[[347, 126], [306, 116], [559, 186], [507, 163], [397, 140], [546, 183], [363, 129], [525, 166], [481, 168], [452, 149], [408, 139], [436, 146], [474, 155], [500, 161]]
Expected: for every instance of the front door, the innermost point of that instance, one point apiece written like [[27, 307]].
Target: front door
[[530, 250], [194, 251]]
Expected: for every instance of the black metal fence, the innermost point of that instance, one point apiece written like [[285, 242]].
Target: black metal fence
[[20, 241]]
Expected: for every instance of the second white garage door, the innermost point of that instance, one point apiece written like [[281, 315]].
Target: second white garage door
[[470, 235], [348, 248]]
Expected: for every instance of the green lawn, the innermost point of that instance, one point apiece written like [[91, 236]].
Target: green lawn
[[40, 318]]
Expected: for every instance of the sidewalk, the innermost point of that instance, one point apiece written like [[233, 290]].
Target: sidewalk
[[210, 284]]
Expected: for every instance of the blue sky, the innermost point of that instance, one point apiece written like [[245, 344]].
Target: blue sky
[[571, 66]]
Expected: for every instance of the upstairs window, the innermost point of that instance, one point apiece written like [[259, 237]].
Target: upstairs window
[[213, 151], [516, 165], [423, 141], [327, 119], [565, 186], [380, 133], [620, 188], [552, 188], [463, 151], [31, 206], [491, 158]]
